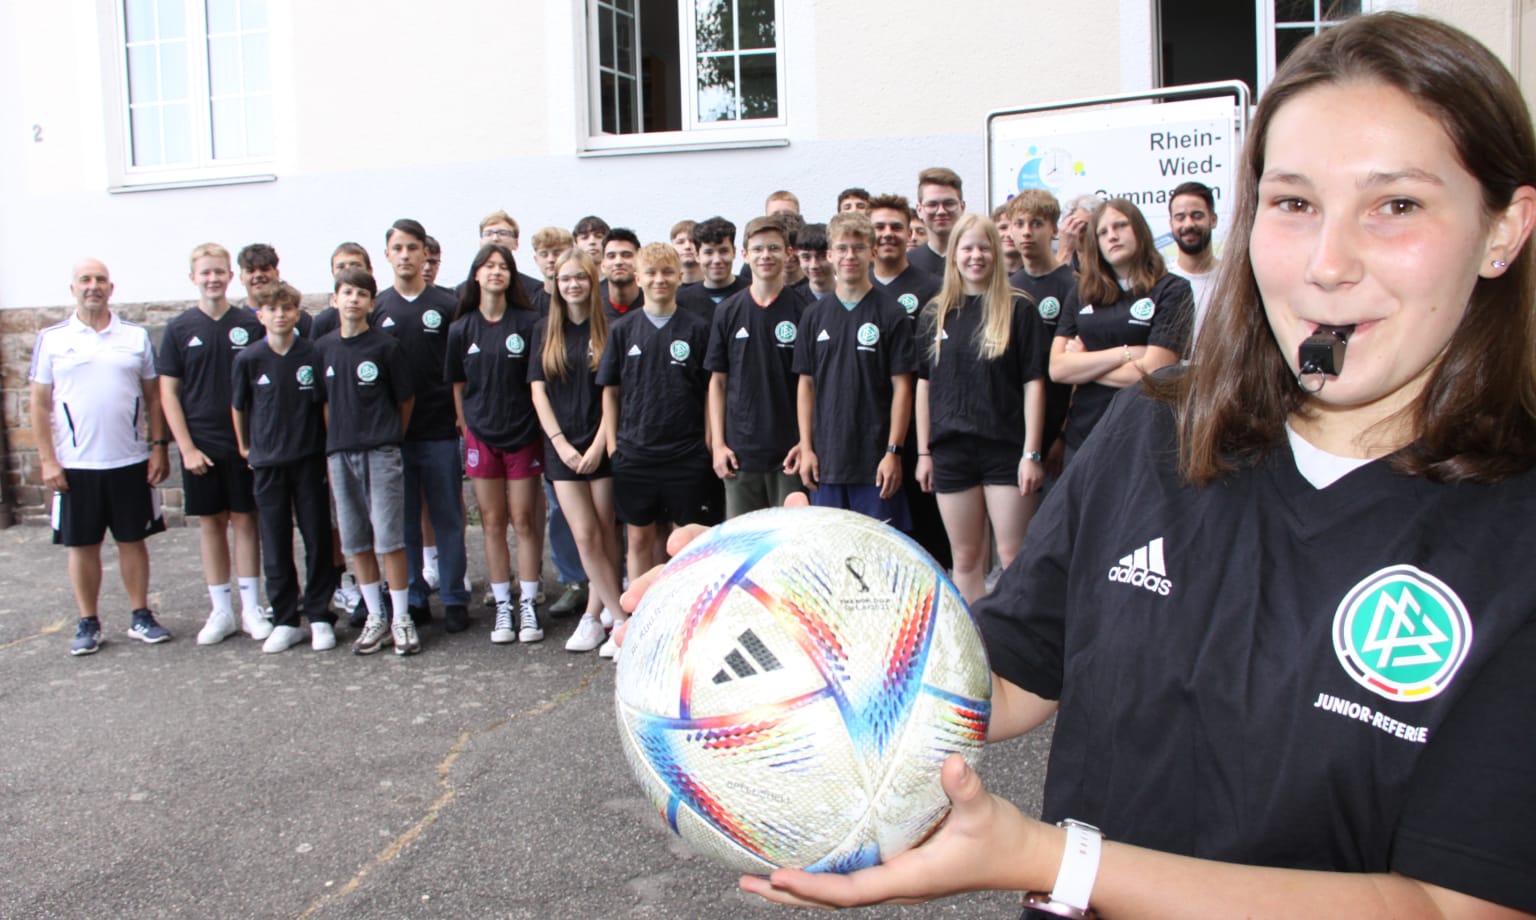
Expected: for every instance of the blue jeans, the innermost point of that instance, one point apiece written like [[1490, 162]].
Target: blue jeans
[[562, 545], [432, 474]]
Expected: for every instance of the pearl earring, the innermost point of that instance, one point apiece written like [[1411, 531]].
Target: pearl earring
[[1500, 264]]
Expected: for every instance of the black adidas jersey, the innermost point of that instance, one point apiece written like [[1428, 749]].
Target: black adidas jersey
[[704, 300], [200, 351], [1264, 672], [491, 360], [576, 398], [326, 322], [968, 394], [365, 381], [927, 260], [280, 395], [421, 328], [1161, 318], [755, 347], [616, 312], [852, 356], [662, 385], [1049, 292], [913, 289]]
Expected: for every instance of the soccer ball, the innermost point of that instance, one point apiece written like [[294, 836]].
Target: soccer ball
[[791, 685]]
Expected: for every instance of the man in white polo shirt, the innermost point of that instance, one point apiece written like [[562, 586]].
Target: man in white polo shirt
[[93, 396]]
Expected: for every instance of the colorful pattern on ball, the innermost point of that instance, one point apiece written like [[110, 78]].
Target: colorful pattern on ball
[[791, 685]]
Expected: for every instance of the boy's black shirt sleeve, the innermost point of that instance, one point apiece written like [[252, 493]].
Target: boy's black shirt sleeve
[[491, 361], [201, 355], [755, 347], [421, 328], [365, 380], [280, 395], [662, 385]]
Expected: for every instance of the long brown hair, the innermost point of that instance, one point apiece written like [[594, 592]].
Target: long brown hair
[[996, 304], [1099, 283], [1476, 417], [553, 358]]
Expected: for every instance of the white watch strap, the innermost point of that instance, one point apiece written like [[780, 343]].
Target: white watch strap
[[1079, 864]]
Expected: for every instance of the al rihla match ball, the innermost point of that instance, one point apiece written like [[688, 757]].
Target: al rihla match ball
[[791, 685]]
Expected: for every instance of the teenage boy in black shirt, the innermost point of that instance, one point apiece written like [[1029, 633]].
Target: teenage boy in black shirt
[[418, 317], [260, 277], [752, 425], [1033, 217], [366, 386], [682, 240], [590, 233], [715, 242], [654, 390], [940, 203], [621, 293], [811, 253], [196, 357], [855, 358], [347, 255], [280, 427]]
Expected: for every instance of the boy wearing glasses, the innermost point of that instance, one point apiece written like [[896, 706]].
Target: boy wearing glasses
[[939, 203]]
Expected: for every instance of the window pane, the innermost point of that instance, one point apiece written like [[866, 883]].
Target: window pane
[[139, 15], [714, 29], [759, 86], [144, 125], [174, 80], [253, 14], [172, 22], [228, 129], [629, 119], [224, 65], [604, 37], [1286, 41], [258, 126], [179, 146], [1294, 10], [608, 103], [143, 84], [222, 16], [717, 89], [625, 40], [257, 63], [757, 25]]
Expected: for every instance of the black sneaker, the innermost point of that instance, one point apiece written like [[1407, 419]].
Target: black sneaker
[[146, 629], [455, 618], [573, 601], [421, 616], [87, 637]]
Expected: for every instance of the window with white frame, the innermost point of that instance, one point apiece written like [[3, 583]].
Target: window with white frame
[[682, 71], [195, 90], [1209, 40]]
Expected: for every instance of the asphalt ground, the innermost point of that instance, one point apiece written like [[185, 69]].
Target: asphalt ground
[[469, 781]]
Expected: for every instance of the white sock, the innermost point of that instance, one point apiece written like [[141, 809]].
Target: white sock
[[373, 596], [221, 596], [250, 594], [400, 601], [429, 557], [529, 589], [503, 591]]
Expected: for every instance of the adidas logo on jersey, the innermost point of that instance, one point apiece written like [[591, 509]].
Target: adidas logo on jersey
[[474, 348], [742, 333], [823, 337], [330, 372], [263, 381], [1144, 568], [388, 322], [736, 662], [194, 341], [633, 350]]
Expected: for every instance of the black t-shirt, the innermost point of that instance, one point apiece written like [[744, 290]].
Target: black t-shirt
[[326, 322], [974, 396], [927, 260], [533, 286], [1264, 672], [616, 312], [491, 360], [755, 347], [280, 395], [576, 398], [1049, 291], [913, 288], [704, 300], [852, 356], [365, 381], [540, 301], [421, 328], [200, 351], [662, 385], [1163, 317]]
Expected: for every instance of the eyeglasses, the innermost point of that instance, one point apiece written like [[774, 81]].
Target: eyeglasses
[[498, 233], [948, 204]]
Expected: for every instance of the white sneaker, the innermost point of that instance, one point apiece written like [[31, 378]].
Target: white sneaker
[[346, 597], [503, 632], [322, 637], [430, 576], [607, 619], [403, 632], [588, 635], [528, 622], [609, 649], [284, 638], [254, 621], [220, 626]]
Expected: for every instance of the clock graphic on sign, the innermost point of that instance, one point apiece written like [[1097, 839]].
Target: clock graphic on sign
[[1049, 169]]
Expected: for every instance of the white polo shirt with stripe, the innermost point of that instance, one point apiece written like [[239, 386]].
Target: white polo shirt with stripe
[[99, 418]]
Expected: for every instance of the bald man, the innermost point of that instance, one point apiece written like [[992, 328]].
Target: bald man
[[101, 443]]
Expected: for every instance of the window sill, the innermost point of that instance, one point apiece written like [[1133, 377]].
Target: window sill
[[641, 149], [209, 182]]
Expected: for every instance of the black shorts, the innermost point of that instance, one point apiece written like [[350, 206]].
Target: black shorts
[[121, 500], [227, 486], [555, 469], [685, 492], [965, 462]]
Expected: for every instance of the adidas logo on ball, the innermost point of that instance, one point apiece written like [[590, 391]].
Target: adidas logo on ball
[[1144, 568]]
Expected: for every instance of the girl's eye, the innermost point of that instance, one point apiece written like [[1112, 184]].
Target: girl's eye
[[1399, 207]]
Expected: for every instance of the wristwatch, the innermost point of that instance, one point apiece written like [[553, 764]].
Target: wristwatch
[[893, 448], [1034, 455], [1074, 880]]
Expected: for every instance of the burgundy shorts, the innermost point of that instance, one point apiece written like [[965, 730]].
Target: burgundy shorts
[[482, 461]]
